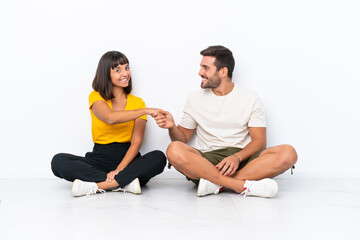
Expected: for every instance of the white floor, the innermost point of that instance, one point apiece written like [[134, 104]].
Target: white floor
[[306, 207]]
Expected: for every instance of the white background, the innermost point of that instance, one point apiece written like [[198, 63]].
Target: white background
[[301, 57]]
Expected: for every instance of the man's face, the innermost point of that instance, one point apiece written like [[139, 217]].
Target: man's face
[[209, 73]]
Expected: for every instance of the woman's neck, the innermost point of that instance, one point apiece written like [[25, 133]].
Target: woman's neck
[[119, 93]]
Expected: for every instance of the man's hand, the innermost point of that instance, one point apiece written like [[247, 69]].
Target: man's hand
[[164, 119], [228, 165]]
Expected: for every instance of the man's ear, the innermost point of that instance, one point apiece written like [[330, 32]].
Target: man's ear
[[223, 72]]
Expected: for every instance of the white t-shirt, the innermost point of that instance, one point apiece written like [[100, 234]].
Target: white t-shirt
[[222, 121]]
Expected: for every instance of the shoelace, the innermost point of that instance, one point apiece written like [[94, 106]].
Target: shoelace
[[93, 191], [119, 189], [101, 191], [210, 189], [256, 190], [245, 192]]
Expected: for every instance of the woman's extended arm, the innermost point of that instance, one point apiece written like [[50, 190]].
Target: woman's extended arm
[[136, 140], [103, 112]]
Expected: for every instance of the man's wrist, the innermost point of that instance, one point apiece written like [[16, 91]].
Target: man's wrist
[[173, 127], [238, 158]]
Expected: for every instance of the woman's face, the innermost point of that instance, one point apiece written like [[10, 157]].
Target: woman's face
[[120, 75]]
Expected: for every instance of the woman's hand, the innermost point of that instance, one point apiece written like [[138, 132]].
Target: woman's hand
[[111, 175], [153, 111]]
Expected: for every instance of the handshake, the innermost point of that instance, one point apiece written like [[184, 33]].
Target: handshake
[[163, 118]]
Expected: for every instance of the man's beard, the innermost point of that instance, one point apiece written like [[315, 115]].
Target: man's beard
[[211, 83]]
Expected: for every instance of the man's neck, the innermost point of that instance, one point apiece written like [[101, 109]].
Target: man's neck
[[224, 88]]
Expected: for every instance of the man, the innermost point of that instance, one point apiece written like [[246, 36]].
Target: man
[[230, 140]]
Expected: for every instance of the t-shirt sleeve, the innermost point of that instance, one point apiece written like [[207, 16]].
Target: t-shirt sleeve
[[93, 97], [257, 118], [187, 121]]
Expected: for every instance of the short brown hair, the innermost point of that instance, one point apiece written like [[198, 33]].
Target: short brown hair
[[223, 57], [102, 81]]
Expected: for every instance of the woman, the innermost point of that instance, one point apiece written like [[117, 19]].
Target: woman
[[118, 125]]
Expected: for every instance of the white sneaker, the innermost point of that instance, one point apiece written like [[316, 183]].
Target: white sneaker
[[206, 187], [81, 188], [133, 187], [262, 188]]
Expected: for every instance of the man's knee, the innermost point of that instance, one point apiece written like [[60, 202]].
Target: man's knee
[[287, 156], [175, 152]]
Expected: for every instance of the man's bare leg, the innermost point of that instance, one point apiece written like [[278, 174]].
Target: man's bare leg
[[271, 162], [190, 162]]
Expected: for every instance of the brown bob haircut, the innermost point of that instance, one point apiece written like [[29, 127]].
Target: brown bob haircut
[[102, 81], [223, 58]]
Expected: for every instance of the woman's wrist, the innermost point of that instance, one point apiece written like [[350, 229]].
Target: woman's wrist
[[119, 169], [147, 111]]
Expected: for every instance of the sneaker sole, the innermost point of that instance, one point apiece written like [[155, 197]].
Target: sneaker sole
[[201, 182], [275, 188], [75, 184], [272, 184], [138, 189]]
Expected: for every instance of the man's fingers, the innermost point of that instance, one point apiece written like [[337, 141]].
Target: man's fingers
[[220, 164], [224, 168], [229, 171], [163, 112], [160, 121]]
